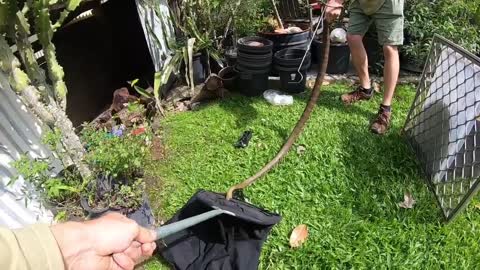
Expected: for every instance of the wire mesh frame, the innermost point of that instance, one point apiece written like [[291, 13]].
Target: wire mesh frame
[[443, 126]]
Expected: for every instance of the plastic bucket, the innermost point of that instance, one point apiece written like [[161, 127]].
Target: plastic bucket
[[287, 63], [292, 57], [251, 82], [228, 75], [338, 59]]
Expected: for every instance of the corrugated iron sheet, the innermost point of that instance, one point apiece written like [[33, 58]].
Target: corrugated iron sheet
[[156, 30], [20, 133]]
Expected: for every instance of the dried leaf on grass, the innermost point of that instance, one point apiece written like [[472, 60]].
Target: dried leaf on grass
[[301, 149], [408, 201], [299, 236]]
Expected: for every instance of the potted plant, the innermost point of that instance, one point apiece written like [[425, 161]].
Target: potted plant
[[121, 195], [118, 155]]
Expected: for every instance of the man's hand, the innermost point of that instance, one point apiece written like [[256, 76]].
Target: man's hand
[[112, 242], [333, 10]]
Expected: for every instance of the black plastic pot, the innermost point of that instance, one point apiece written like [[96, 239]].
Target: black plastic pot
[[251, 82], [247, 65], [292, 57], [283, 41], [286, 63], [228, 75], [199, 70], [142, 215], [267, 57], [338, 59], [245, 45]]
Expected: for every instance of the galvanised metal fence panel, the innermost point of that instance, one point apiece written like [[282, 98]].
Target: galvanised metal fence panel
[[443, 125]]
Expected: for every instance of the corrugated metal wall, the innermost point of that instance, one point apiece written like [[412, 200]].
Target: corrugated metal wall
[[20, 133], [157, 30]]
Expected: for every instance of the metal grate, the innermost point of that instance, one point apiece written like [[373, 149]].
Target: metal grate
[[443, 125]]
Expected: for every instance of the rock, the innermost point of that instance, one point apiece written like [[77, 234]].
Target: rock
[[120, 98]]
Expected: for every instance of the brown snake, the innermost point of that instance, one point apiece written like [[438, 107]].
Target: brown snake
[[301, 122]]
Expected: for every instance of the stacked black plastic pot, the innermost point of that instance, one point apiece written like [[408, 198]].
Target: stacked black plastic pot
[[291, 40], [287, 63], [254, 62]]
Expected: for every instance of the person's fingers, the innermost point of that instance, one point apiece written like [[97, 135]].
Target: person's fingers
[[145, 235], [134, 252], [124, 261], [148, 249]]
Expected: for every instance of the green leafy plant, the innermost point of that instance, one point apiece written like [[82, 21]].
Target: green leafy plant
[[454, 19], [52, 138], [129, 196], [116, 156], [135, 107], [53, 189], [116, 193], [33, 171], [140, 90], [251, 17]]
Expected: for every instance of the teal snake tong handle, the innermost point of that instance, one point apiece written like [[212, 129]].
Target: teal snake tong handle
[[175, 227]]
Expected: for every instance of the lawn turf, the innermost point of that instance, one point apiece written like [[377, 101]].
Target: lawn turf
[[345, 186]]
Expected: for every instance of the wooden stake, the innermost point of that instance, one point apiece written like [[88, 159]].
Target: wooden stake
[[277, 15]]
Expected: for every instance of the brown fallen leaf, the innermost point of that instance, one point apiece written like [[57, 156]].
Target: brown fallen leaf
[[299, 236], [408, 201], [301, 149]]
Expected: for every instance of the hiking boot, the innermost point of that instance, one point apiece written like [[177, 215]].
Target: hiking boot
[[357, 95], [382, 122]]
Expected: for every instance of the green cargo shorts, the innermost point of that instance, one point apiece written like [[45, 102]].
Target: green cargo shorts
[[388, 21]]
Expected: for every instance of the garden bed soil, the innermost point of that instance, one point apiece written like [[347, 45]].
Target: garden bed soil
[[158, 149]]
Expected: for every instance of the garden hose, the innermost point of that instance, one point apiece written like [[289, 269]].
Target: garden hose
[[301, 122]]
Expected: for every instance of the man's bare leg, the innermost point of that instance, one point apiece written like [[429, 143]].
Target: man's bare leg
[[390, 77], [390, 73], [360, 62]]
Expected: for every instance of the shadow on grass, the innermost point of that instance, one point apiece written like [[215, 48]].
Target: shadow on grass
[[330, 100], [241, 107]]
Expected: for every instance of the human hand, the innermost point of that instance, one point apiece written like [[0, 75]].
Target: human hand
[[111, 242], [333, 10]]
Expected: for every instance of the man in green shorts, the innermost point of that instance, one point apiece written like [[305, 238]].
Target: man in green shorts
[[388, 18]]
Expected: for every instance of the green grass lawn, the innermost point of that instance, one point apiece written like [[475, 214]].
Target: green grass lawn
[[345, 186]]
